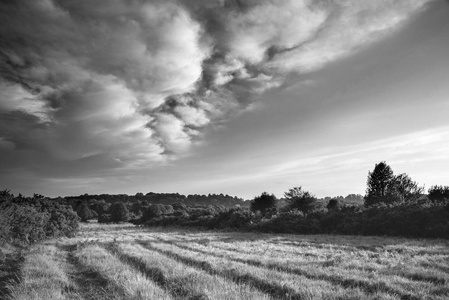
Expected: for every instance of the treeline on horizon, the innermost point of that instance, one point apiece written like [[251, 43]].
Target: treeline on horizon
[[393, 205]]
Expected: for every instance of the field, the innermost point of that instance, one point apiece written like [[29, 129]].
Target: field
[[126, 262]]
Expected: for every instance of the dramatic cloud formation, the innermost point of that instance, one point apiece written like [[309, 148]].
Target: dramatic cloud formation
[[95, 85]]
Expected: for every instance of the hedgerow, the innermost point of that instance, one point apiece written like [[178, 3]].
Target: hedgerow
[[30, 220]]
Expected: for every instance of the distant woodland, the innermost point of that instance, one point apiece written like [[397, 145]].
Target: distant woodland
[[392, 205]]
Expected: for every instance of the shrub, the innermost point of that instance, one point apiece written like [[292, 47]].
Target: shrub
[[104, 218], [301, 200], [119, 212], [263, 202], [84, 212], [439, 193], [29, 220]]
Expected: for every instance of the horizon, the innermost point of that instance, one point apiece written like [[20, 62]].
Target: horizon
[[221, 97]]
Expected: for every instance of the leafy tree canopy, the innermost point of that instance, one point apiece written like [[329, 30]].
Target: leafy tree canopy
[[263, 202], [301, 200]]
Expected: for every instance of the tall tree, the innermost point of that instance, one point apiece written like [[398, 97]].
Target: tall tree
[[380, 185], [301, 200], [407, 189]]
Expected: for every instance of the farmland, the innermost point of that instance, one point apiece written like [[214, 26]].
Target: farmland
[[126, 262]]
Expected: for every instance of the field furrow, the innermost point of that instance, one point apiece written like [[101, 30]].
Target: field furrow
[[394, 281], [121, 277], [182, 281], [280, 285], [44, 276], [91, 284]]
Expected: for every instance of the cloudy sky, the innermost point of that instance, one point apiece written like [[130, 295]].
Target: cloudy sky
[[221, 96]]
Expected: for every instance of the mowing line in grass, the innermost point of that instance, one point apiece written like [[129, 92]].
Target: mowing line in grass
[[182, 281], [367, 282], [133, 284], [278, 284], [156, 274], [91, 283], [43, 276], [11, 260]]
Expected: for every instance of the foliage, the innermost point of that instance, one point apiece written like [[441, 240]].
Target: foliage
[[380, 185], [119, 212], [439, 193], [104, 218], [334, 204], [300, 200], [406, 189], [84, 212], [29, 220], [263, 202]]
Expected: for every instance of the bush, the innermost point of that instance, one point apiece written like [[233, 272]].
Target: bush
[[104, 218], [439, 193], [84, 212], [30, 220], [301, 200], [263, 202], [119, 212]]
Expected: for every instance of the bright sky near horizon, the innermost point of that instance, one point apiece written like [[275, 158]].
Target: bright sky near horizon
[[218, 96]]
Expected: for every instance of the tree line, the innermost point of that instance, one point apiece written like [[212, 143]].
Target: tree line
[[393, 205]]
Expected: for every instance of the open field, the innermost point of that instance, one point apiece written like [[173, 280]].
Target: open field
[[127, 262]]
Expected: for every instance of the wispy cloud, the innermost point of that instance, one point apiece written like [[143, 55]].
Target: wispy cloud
[[127, 83]]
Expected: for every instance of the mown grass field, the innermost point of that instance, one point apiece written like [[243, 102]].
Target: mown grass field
[[127, 262]]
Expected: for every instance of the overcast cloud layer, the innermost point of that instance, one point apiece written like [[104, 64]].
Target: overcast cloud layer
[[90, 86]]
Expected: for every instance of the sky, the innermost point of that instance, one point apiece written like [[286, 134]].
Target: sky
[[221, 96]]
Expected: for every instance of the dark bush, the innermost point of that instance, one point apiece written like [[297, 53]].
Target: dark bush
[[29, 220], [104, 218], [119, 212], [263, 202], [84, 212], [439, 193]]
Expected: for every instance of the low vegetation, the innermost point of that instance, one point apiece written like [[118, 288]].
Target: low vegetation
[[27, 220], [126, 262], [199, 252]]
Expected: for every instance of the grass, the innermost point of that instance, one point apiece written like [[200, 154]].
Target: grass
[[126, 262], [43, 276], [386, 272], [134, 285], [183, 281]]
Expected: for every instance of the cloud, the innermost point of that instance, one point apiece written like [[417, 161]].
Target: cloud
[[123, 84]]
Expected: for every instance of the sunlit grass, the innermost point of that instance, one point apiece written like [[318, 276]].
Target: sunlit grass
[[389, 271], [293, 285], [43, 276], [122, 261], [133, 283], [192, 281]]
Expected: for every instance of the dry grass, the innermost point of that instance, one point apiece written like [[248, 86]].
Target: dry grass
[[133, 283], [43, 276], [184, 281], [127, 262]]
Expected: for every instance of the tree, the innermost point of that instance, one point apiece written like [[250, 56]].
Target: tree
[[84, 212], [301, 200], [439, 193], [406, 189], [380, 185], [263, 202], [119, 212], [334, 204]]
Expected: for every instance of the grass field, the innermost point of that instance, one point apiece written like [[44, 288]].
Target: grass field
[[127, 262]]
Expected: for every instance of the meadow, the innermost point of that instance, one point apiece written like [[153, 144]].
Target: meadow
[[122, 261]]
